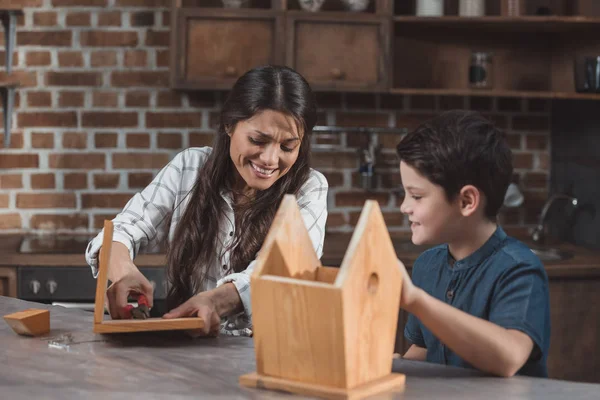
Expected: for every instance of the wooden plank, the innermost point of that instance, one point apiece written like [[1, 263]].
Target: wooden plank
[[148, 325], [102, 278], [392, 382]]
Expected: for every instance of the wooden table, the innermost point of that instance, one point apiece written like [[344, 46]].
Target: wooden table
[[168, 365]]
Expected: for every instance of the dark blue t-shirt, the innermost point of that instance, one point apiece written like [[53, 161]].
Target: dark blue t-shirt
[[502, 282]]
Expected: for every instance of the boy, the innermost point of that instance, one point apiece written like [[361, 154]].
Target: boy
[[480, 299]]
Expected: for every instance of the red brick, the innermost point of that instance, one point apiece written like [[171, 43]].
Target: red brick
[[25, 78], [105, 200], [110, 119], [71, 99], [39, 99], [140, 78], [43, 181], [46, 200], [47, 119], [6, 4], [142, 18], [4, 200], [70, 59], [422, 102], [508, 216], [173, 120], [514, 141], [73, 78], [166, 18], [77, 161], [544, 161], [41, 140], [360, 100], [10, 221], [537, 142], [201, 139], [170, 141], [500, 120], [105, 140], [334, 178], [530, 123], [44, 38], [523, 160], [362, 119], [138, 140], [135, 58], [105, 99], [137, 99], [357, 199], [19, 161], [74, 140], [335, 220], [58, 221], [389, 140], [75, 180], [158, 38], [332, 159], [169, 99], [392, 219], [79, 3], [138, 180], [111, 18], [390, 180], [139, 160], [536, 180], [78, 19], [104, 58], [356, 140], [328, 138], [162, 58], [196, 99], [16, 140], [44, 18], [15, 60], [100, 218], [143, 3], [106, 181], [411, 121], [11, 181], [108, 39]]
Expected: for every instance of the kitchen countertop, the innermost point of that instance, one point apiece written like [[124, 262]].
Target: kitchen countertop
[[584, 263], [171, 365]]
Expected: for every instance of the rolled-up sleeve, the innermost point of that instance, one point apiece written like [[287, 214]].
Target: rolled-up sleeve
[[142, 223], [312, 201]]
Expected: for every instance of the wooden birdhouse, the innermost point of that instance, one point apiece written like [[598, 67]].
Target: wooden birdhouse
[[319, 330]]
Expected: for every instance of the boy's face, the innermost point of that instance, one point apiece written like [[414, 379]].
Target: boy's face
[[432, 217]]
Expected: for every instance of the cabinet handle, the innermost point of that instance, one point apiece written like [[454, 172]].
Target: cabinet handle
[[230, 72], [336, 73]]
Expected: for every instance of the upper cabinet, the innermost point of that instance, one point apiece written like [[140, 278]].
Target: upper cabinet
[[547, 49]]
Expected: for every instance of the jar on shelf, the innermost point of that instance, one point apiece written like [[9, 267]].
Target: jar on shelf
[[512, 8], [481, 70], [471, 8], [430, 8]]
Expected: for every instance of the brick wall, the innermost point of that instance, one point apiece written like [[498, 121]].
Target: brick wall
[[95, 120]]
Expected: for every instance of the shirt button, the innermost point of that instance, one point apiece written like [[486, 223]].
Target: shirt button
[[231, 233], [450, 294], [224, 266]]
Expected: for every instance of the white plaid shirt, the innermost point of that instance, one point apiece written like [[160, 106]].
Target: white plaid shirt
[[139, 226]]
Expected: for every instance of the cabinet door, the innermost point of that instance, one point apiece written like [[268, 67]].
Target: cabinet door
[[8, 281], [214, 47], [348, 53]]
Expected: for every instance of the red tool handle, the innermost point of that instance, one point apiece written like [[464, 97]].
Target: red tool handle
[[142, 300], [127, 311]]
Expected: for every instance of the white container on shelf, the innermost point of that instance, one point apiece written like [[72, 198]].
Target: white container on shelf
[[430, 8], [471, 8]]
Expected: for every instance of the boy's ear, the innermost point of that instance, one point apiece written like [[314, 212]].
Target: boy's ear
[[469, 200]]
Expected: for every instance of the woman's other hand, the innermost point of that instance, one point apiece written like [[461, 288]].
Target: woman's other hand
[[202, 306]]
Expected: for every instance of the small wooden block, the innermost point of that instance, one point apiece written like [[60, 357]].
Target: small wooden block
[[31, 322], [390, 383]]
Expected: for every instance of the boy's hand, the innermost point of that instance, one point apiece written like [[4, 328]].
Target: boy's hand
[[410, 292]]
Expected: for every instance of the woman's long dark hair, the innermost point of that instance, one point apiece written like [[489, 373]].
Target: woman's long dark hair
[[196, 240]]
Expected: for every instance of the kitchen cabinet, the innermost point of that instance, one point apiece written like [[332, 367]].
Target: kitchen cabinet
[[8, 281]]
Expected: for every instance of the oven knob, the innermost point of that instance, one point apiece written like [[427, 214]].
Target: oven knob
[[51, 286], [35, 286]]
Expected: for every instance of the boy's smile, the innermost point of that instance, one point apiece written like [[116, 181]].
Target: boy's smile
[[432, 218]]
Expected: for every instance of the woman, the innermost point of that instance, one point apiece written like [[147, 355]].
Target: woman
[[215, 206]]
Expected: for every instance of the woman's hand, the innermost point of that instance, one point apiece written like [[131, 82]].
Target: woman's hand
[[410, 292], [202, 306], [127, 280]]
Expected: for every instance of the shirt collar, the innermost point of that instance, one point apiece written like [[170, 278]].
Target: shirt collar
[[482, 253]]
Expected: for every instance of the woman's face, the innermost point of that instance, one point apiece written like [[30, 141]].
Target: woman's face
[[263, 149]]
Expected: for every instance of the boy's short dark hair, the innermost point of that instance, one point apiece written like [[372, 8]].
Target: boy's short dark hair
[[459, 148]]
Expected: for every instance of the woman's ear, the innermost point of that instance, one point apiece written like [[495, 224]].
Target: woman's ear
[[469, 200]]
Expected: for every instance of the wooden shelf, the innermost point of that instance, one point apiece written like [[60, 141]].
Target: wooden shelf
[[513, 24], [498, 93]]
